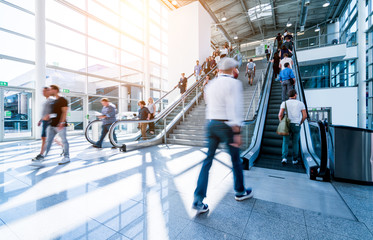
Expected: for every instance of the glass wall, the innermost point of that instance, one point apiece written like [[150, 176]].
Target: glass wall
[[94, 49], [348, 24], [330, 74]]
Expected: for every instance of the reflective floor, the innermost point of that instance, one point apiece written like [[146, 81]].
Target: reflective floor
[[147, 194]]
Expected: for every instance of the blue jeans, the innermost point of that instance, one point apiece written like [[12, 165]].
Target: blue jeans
[[104, 131], [218, 132], [51, 133], [295, 133]]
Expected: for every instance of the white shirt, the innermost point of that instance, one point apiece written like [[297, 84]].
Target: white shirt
[[224, 51], [224, 99], [295, 108], [286, 60], [217, 59], [251, 65]]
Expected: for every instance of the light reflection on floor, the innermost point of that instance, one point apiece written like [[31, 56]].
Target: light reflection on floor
[[143, 194]]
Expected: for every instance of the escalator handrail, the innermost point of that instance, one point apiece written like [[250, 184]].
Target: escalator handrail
[[262, 109]]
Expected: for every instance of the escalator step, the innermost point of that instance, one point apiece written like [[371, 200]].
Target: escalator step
[[272, 142]]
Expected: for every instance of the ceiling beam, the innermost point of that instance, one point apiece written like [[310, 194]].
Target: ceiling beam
[[243, 5], [216, 20], [222, 9], [273, 12]]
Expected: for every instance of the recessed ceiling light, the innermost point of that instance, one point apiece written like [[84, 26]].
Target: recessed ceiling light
[[288, 24], [326, 4], [235, 37], [174, 2], [224, 18]]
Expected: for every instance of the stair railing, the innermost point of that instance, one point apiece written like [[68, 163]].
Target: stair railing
[[167, 126]]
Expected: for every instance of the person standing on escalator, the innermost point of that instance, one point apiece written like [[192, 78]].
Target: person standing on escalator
[[296, 112], [287, 80], [182, 85]]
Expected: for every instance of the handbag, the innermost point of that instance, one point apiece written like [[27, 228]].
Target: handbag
[[283, 127]]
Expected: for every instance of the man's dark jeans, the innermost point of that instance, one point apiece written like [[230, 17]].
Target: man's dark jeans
[[105, 130], [218, 132], [286, 87]]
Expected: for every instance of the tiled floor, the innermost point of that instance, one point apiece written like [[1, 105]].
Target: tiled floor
[[147, 194]]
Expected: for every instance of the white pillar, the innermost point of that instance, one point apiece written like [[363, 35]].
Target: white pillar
[[39, 63], [361, 54], [189, 40], [146, 54]]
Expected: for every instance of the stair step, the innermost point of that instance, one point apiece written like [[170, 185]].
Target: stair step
[[196, 143], [199, 137]]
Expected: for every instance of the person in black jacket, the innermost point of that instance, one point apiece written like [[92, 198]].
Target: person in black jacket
[[276, 64], [182, 83]]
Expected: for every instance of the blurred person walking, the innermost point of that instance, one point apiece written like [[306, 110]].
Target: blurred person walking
[[250, 71], [144, 114], [197, 71], [152, 109], [44, 121], [224, 99], [58, 125], [182, 84]]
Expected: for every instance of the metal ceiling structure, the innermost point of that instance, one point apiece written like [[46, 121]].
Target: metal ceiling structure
[[255, 20]]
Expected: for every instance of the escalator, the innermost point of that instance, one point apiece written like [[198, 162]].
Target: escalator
[[265, 149], [271, 151]]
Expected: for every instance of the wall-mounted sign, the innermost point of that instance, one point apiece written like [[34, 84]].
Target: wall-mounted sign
[[4, 84]]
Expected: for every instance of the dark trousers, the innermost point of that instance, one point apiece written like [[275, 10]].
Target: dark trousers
[[151, 125], [286, 87], [104, 131], [218, 132]]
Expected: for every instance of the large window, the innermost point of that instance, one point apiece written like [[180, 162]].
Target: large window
[[94, 49], [348, 24], [330, 74]]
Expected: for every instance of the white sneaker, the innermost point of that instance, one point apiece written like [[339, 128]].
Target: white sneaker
[[64, 161], [295, 162], [37, 163], [284, 161]]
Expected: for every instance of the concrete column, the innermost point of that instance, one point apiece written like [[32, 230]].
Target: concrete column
[[40, 71], [146, 54], [361, 54]]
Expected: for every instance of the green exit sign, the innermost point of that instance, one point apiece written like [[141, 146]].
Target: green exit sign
[[66, 90], [8, 114], [3, 83]]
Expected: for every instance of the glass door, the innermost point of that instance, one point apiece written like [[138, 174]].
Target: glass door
[[75, 115], [16, 115]]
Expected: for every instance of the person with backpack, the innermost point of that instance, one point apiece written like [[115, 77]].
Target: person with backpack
[[250, 71], [297, 114]]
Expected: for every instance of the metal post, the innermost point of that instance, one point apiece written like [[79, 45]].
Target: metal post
[[197, 93], [361, 54], [165, 130], [183, 109]]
